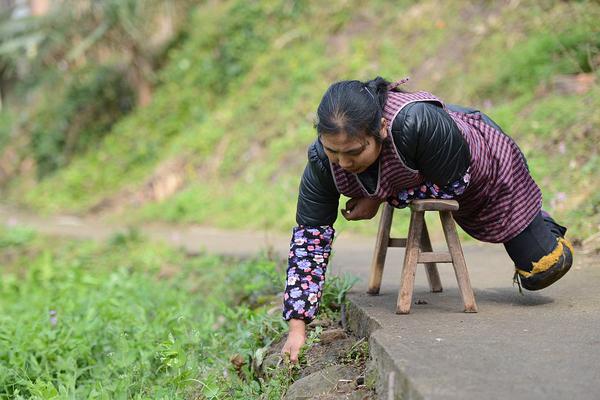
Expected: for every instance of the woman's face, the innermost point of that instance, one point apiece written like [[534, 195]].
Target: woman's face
[[353, 154]]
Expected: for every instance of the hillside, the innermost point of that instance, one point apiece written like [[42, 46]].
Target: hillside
[[223, 141]]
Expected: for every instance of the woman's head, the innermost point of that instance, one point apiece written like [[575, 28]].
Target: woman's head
[[350, 122]]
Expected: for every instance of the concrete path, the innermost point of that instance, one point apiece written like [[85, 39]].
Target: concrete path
[[542, 345]]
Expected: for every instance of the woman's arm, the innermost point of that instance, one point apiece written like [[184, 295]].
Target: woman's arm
[[318, 197], [428, 140], [310, 247]]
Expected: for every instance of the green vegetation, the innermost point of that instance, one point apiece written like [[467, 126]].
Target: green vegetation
[[133, 319], [234, 100], [94, 99]]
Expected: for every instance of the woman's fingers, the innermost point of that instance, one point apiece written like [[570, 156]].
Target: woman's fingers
[[349, 211], [363, 208], [351, 204], [292, 353], [346, 214], [292, 350]]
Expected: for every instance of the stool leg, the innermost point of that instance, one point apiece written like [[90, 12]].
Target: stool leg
[[381, 246], [409, 268], [433, 276], [458, 261]]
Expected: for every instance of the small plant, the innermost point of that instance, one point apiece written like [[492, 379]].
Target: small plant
[[16, 237], [358, 354], [336, 289]]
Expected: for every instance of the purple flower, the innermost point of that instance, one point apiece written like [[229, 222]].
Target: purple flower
[[292, 279], [299, 241], [53, 317], [300, 252], [295, 293], [303, 264], [299, 305]]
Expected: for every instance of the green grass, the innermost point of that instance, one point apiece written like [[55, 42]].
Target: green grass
[[133, 319], [236, 101]]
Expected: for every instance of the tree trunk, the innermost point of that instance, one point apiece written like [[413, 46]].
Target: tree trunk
[[139, 72]]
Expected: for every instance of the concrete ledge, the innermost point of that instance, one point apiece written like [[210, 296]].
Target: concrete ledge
[[390, 376], [539, 345]]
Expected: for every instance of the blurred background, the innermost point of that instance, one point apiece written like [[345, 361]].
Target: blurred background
[[201, 111]]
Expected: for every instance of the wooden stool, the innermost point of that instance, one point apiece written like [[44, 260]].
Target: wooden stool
[[419, 250]]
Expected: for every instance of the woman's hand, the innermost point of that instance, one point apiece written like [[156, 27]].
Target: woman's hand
[[295, 340], [361, 208]]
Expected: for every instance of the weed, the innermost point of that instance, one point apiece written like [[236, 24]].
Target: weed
[[358, 354], [86, 320]]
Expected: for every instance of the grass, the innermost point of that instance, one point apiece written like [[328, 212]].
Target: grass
[[132, 319], [236, 100]]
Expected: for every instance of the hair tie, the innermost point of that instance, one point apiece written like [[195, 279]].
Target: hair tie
[[394, 85], [368, 91]]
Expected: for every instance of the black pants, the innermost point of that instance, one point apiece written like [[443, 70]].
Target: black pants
[[536, 241]]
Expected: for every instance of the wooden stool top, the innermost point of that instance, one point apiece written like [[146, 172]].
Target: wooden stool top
[[434, 205]]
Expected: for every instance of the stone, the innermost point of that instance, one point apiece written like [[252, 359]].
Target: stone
[[325, 323], [320, 356], [271, 362], [332, 336], [321, 383]]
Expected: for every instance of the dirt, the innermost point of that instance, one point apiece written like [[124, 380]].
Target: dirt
[[335, 366]]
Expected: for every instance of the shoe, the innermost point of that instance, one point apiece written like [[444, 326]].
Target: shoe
[[548, 269]]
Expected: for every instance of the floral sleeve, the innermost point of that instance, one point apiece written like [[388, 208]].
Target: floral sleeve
[[307, 262], [429, 190]]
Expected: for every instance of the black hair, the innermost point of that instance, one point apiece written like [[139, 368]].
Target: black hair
[[352, 107]]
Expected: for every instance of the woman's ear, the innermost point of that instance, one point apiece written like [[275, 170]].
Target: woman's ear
[[383, 133]]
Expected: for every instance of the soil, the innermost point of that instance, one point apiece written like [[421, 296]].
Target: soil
[[337, 351]]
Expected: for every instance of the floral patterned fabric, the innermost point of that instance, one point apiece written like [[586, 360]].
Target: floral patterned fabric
[[429, 190], [307, 262]]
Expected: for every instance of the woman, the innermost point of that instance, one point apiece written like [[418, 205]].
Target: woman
[[379, 144]]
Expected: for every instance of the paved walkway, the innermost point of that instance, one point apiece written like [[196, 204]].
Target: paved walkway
[[541, 345]]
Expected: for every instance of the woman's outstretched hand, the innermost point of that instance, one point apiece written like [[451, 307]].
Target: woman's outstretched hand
[[361, 208], [295, 340]]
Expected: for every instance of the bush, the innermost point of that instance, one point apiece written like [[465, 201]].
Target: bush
[[76, 114]]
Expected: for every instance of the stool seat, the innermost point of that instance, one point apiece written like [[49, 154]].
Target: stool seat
[[433, 205], [419, 251]]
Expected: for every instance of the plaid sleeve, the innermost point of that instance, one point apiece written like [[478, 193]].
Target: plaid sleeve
[[307, 263]]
